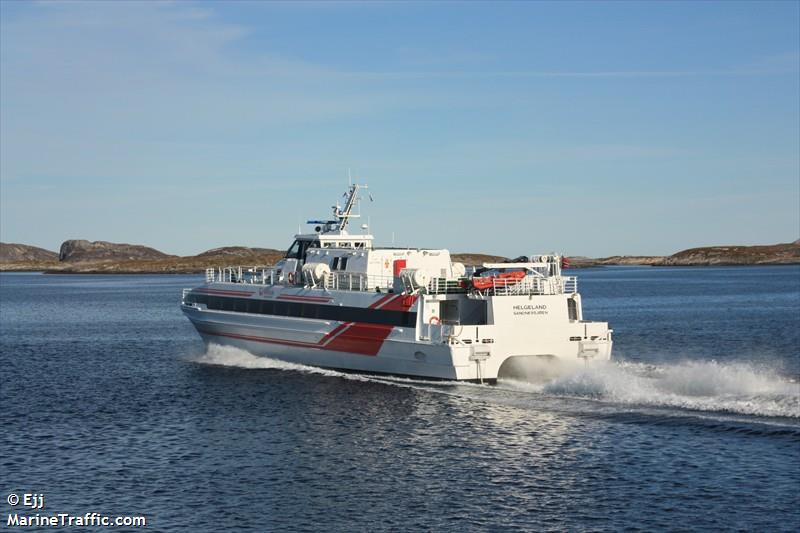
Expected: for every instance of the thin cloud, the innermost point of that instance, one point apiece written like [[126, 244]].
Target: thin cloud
[[780, 70]]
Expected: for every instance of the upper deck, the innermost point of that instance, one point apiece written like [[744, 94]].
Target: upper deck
[[537, 280], [332, 259]]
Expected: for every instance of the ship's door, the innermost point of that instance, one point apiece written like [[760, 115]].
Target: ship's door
[[449, 312]]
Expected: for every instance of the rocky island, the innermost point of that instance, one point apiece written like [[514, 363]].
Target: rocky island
[[101, 257], [775, 254]]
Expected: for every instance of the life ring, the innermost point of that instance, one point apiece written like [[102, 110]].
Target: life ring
[[290, 277], [434, 319]]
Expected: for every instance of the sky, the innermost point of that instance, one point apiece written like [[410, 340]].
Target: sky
[[506, 127]]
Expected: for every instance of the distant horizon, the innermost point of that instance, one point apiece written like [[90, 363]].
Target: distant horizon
[[589, 128], [380, 245]]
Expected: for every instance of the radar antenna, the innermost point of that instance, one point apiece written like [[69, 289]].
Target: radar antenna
[[344, 214]]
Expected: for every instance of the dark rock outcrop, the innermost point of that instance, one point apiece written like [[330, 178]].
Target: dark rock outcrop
[[74, 251], [477, 259], [237, 251], [773, 254], [615, 260], [19, 253]]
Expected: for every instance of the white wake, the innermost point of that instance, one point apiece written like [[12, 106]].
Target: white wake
[[219, 355], [699, 385]]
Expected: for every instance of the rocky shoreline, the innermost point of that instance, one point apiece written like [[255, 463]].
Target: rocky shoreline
[[100, 257]]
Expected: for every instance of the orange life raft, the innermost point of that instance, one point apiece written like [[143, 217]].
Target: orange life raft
[[503, 279]]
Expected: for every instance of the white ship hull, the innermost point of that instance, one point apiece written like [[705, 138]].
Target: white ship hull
[[421, 349], [335, 301]]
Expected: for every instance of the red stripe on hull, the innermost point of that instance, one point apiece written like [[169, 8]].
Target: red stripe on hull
[[364, 339], [227, 293], [380, 301], [329, 336], [359, 338], [267, 340], [303, 298], [401, 303], [351, 337]]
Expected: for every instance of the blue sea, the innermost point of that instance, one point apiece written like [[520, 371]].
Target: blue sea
[[110, 403]]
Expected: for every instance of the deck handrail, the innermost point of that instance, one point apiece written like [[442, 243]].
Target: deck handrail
[[529, 285], [360, 281]]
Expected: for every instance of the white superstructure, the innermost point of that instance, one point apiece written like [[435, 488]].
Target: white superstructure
[[335, 301]]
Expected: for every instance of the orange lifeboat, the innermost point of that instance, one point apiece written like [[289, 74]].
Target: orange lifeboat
[[504, 279]]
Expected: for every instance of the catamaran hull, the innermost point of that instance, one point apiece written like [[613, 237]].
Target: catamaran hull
[[307, 346], [372, 349]]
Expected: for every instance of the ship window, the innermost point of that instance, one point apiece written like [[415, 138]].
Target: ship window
[[308, 310], [572, 309], [304, 245], [294, 251], [343, 264], [335, 264]]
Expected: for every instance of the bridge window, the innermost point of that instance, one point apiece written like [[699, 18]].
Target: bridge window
[[299, 249], [294, 251]]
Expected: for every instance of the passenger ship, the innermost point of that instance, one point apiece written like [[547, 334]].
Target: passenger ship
[[335, 301]]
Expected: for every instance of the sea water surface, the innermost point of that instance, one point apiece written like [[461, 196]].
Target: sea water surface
[[111, 404]]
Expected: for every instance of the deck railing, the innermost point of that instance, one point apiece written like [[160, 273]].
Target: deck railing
[[529, 285], [359, 281], [258, 275], [447, 286], [356, 281]]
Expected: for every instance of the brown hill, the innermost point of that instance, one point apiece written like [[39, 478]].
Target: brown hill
[[638, 260], [168, 265], [237, 251], [80, 256], [773, 254], [74, 251], [476, 259], [16, 253]]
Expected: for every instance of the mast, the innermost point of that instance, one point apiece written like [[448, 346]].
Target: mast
[[343, 215]]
